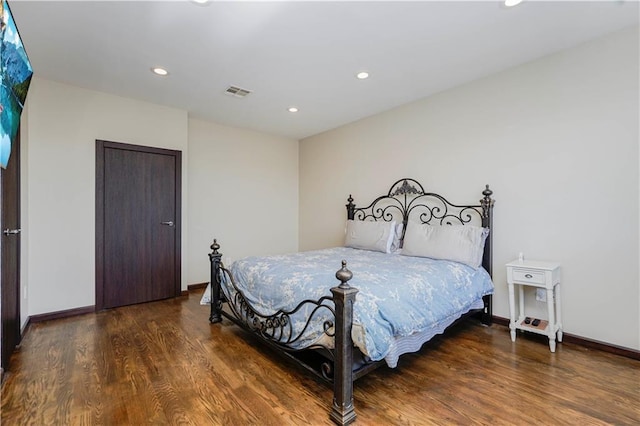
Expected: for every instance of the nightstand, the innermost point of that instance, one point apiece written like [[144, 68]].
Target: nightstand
[[545, 275]]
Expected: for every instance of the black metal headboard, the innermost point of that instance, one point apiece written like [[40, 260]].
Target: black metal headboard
[[408, 199]]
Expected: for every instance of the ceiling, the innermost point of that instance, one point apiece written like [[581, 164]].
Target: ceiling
[[303, 54]]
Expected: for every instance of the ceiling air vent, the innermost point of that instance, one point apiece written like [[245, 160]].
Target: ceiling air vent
[[238, 92]]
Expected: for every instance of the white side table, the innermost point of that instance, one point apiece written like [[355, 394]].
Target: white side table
[[542, 275]]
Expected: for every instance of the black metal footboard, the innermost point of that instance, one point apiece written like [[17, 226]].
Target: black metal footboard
[[277, 330]]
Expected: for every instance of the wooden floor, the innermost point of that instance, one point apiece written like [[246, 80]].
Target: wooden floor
[[163, 363]]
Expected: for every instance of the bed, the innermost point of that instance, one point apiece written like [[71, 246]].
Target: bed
[[420, 264]]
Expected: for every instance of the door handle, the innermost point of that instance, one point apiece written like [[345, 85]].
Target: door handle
[[168, 223], [11, 231]]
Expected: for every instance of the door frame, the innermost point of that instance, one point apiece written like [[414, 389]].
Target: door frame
[[101, 145], [8, 343]]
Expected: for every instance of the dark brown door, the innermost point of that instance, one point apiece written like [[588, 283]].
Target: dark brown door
[[10, 248], [138, 224]]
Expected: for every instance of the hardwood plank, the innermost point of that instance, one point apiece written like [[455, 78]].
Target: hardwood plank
[[163, 363]]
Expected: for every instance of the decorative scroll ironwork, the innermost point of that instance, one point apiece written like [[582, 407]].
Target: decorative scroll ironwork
[[277, 328], [406, 188], [326, 369], [407, 200]]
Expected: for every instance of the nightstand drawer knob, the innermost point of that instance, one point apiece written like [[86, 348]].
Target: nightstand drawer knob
[[528, 276]]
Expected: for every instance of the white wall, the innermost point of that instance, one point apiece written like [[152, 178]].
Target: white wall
[[59, 170], [557, 140], [244, 192], [237, 185]]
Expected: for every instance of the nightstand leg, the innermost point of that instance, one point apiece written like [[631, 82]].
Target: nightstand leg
[[559, 312], [512, 311], [552, 319]]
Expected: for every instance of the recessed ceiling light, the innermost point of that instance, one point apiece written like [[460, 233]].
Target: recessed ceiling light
[[200, 2], [511, 3], [362, 75], [159, 71], [292, 109]]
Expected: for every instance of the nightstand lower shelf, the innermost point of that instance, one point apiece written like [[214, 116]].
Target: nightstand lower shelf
[[540, 328]]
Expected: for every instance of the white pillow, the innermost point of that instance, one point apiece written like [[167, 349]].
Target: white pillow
[[397, 239], [370, 235], [459, 243]]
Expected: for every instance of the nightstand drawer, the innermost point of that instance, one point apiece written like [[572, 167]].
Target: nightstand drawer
[[525, 276]]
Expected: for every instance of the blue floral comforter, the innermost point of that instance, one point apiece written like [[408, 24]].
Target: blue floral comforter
[[398, 295]]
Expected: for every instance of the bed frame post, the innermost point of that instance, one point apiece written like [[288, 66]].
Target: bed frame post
[[342, 411], [487, 259], [216, 303], [351, 208]]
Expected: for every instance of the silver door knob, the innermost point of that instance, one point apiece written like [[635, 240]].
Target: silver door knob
[[11, 231], [168, 223]]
